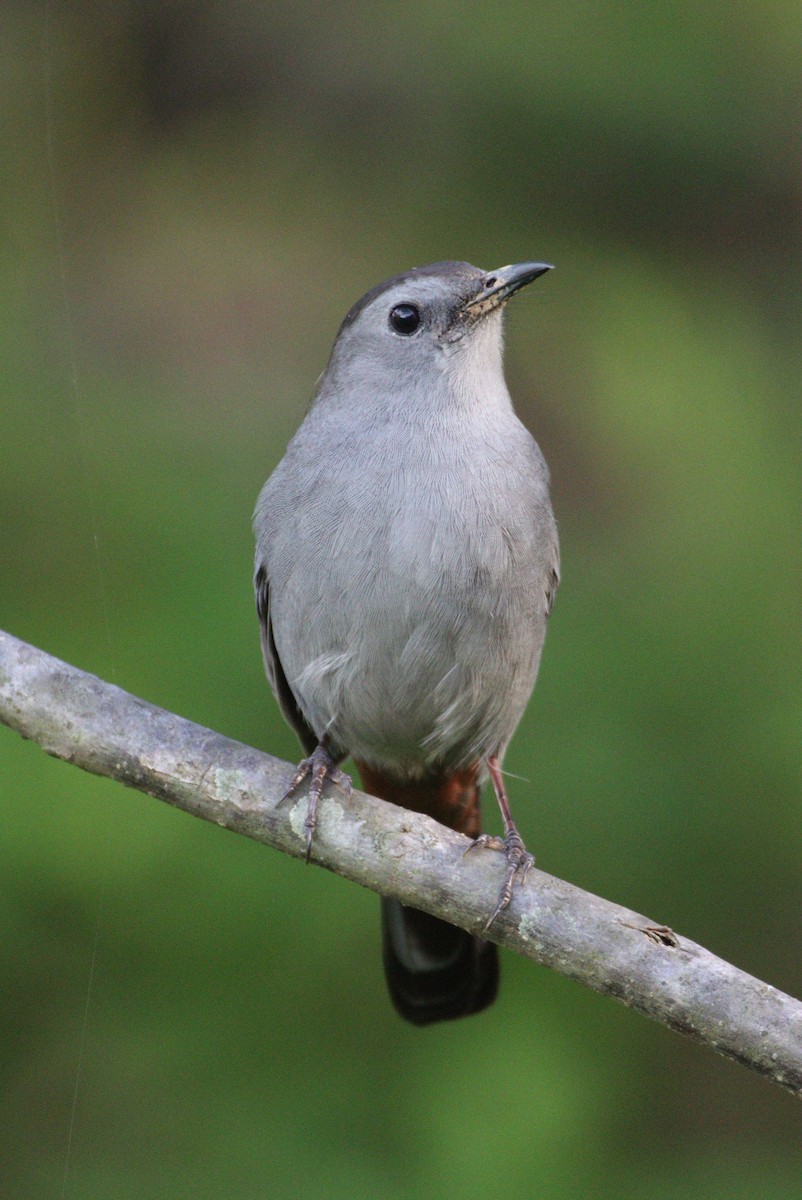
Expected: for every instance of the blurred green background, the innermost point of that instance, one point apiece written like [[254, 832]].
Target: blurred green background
[[193, 194]]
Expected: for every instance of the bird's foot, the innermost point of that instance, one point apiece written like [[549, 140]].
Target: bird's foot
[[519, 861], [322, 767]]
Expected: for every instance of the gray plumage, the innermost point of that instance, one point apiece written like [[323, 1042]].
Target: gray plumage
[[406, 547], [406, 561]]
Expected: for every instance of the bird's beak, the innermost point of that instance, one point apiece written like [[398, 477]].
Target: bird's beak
[[499, 285]]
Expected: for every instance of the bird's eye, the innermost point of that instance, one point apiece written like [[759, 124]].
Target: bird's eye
[[405, 319]]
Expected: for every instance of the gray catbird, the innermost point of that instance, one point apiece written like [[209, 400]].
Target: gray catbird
[[406, 562]]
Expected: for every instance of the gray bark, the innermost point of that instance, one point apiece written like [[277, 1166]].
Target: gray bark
[[100, 728]]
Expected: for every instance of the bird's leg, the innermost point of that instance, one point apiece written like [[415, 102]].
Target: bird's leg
[[519, 860], [321, 766]]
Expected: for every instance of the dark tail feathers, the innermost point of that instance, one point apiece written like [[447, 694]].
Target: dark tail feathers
[[435, 972]]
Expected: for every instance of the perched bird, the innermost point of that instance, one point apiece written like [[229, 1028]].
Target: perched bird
[[406, 562]]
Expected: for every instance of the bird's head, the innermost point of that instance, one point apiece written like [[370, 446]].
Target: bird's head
[[425, 319]]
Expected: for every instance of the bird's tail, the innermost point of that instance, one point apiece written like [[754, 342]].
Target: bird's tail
[[434, 971]]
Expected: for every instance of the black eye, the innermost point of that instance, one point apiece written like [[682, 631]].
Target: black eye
[[405, 319]]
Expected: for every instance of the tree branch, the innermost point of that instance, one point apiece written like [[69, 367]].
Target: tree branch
[[100, 728]]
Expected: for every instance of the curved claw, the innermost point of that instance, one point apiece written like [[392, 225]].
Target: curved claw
[[310, 825], [322, 767], [519, 863], [486, 840]]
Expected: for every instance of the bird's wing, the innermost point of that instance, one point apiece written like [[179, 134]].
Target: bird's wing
[[548, 527], [275, 672], [552, 583]]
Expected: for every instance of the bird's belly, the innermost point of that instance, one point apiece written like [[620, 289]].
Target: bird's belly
[[424, 653]]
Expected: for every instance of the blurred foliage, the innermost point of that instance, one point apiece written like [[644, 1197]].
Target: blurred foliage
[[193, 195]]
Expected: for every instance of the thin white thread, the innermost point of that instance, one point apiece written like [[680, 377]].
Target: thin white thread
[[72, 358], [82, 1042], [52, 170], [511, 775]]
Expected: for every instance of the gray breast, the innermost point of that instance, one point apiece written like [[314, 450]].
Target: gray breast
[[409, 590]]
